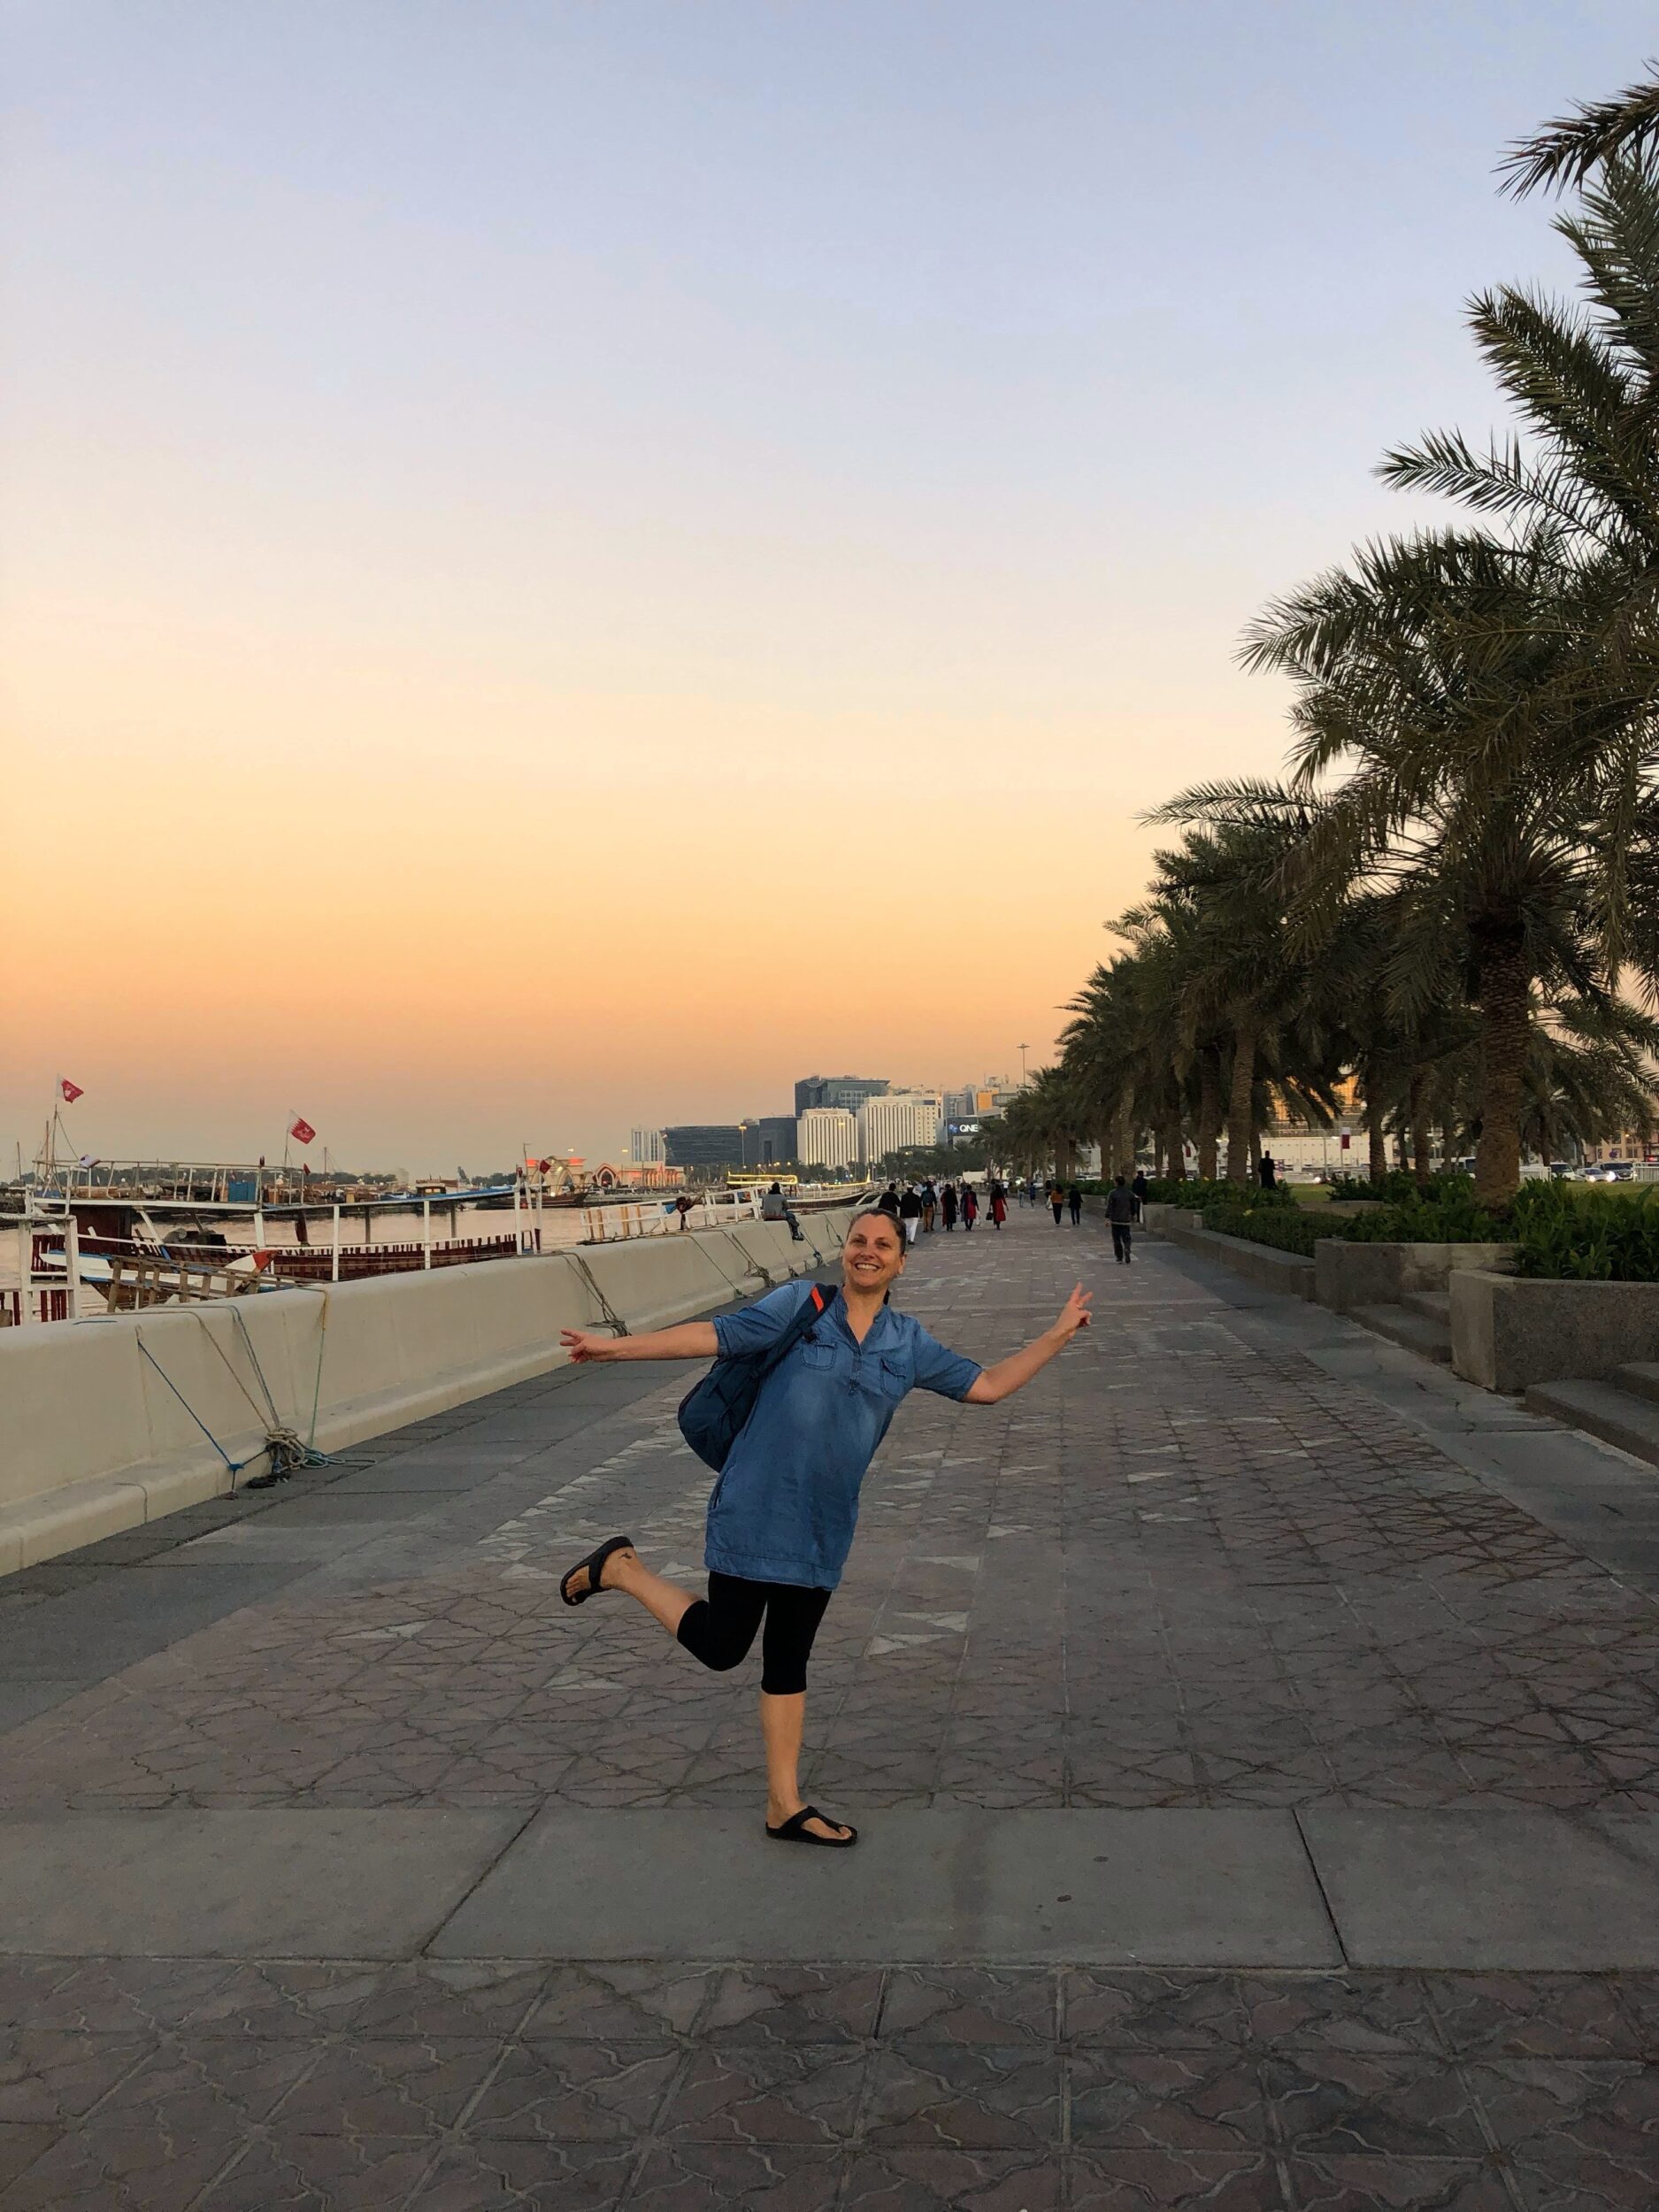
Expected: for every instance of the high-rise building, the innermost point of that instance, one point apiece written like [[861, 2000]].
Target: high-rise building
[[895, 1122], [850, 1091], [704, 1144], [827, 1136], [647, 1147], [777, 1139]]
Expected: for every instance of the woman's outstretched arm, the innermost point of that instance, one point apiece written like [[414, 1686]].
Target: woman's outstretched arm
[[692, 1340], [1014, 1372]]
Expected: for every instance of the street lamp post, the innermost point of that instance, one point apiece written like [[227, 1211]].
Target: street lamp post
[[1022, 1067]]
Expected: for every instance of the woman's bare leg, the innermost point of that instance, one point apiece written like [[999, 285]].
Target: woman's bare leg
[[663, 1601], [783, 1725]]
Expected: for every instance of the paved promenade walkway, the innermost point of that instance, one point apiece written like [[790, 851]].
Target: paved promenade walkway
[[1253, 1732]]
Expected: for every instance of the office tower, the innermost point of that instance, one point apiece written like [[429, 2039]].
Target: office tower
[[895, 1122], [704, 1144], [647, 1147], [850, 1091], [827, 1136]]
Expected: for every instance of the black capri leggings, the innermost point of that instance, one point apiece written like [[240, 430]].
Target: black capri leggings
[[719, 1629]]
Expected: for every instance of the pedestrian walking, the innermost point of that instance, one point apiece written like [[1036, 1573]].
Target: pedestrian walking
[[999, 1205], [888, 1201], [1056, 1199], [970, 1207], [1121, 1203], [930, 1206], [1074, 1204], [1139, 1187], [1268, 1171], [833, 1371], [910, 1212], [948, 1206]]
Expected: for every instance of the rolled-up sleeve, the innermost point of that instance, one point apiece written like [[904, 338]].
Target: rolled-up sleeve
[[756, 1328], [938, 1369]]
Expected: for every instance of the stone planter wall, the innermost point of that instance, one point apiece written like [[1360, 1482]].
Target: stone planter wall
[[1510, 1332], [1350, 1275]]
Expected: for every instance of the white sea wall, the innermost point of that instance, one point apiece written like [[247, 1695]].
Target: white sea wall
[[102, 1421]]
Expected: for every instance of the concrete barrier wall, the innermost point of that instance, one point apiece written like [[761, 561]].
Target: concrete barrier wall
[[1510, 1332], [103, 1421], [1349, 1275], [1287, 1272]]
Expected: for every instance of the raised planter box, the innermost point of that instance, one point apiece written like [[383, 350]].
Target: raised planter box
[[1510, 1332], [1350, 1275], [1287, 1272]]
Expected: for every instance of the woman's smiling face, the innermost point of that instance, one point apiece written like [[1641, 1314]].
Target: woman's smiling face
[[873, 1258]]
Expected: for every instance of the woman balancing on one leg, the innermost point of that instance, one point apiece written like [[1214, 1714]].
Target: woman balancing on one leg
[[782, 1515]]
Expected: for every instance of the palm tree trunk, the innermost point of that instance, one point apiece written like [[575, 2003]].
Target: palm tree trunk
[[1209, 1111], [1175, 1157], [1505, 1035], [1418, 1115], [1240, 1117], [1377, 1164]]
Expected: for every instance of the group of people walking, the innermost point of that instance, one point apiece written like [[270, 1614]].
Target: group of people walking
[[921, 1208]]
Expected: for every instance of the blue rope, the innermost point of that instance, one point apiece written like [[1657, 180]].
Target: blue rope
[[234, 1466]]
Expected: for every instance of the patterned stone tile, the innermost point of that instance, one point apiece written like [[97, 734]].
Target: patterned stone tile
[[1331, 2103], [771, 2094], [1357, 2183], [1173, 2181], [1535, 2016], [1201, 2102], [154, 2159], [969, 2097], [619, 2003], [51, 2076], [500, 2175], [791, 2004], [694, 2177], [972, 2005], [576, 2092], [952, 2181], [436, 1997], [1387, 2014], [388, 2087], [1152, 2011], [321, 2173]]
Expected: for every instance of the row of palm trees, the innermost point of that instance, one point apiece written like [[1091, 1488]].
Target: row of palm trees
[[1451, 899]]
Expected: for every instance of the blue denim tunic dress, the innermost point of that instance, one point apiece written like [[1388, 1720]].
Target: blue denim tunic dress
[[786, 1502]]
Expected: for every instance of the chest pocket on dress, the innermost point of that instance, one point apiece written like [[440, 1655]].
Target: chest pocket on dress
[[889, 1378], [819, 1356]]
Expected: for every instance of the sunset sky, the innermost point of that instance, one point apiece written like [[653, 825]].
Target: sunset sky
[[567, 564]]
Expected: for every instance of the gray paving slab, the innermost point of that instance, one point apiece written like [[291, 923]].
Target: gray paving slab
[[409, 1471], [125, 1615], [1486, 1889], [1152, 1887], [22, 1700], [266, 1540], [313, 1884]]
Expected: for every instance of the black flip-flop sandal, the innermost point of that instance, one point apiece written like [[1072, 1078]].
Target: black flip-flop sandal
[[594, 1563], [794, 1830]]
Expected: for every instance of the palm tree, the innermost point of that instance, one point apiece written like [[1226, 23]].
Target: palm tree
[[1240, 974], [1570, 150], [1427, 680]]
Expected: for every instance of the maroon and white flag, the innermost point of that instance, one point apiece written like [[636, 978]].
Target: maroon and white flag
[[301, 1128], [68, 1091]]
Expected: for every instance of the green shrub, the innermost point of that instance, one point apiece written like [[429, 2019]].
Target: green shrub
[[1286, 1228], [1587, 1235], [1197, 1194]]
